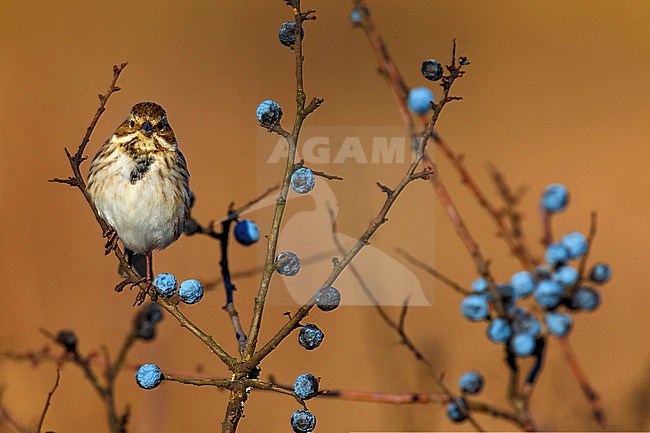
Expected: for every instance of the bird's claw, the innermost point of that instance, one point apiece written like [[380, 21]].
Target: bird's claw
[[142, 293], [144, 285], [111, 243]]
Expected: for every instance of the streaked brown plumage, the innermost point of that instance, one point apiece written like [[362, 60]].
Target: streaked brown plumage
[[139, 182]]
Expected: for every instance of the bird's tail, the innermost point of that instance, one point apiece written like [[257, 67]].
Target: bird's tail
[[138, 263]]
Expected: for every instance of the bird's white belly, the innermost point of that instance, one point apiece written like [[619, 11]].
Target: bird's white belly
[[145, 214]]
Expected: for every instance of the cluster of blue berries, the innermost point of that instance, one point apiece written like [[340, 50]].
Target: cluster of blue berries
[[305, 387], [469, 383], [190, 291], [555, 286]]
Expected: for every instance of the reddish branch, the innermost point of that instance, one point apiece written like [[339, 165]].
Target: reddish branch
[[400, 90]]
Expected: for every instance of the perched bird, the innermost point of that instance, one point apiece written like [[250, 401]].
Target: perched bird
[[139, 183]]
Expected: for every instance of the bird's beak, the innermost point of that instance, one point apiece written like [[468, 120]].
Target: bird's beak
[[146, 129]]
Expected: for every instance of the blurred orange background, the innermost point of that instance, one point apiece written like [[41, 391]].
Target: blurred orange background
[[557, 92]]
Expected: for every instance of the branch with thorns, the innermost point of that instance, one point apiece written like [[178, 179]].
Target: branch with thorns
[[507, 220]]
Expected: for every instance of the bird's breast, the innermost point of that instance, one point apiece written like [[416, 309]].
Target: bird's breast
[[141, 199]]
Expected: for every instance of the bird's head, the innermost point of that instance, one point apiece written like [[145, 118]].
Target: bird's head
[[147, 122]]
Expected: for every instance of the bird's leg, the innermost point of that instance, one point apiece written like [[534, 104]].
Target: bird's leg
[[150, 266], [111, 243]]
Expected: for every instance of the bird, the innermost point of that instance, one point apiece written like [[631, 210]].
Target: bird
[[139, 185]]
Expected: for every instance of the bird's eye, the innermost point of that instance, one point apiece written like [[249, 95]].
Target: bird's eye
[[132, 124], [161, 125]]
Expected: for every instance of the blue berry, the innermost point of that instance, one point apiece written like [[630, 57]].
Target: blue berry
[[310, 336], [471, 382], [475, 307], [558, 324], [565, 275], [523, 283], [287, 33], [302, 180], [585, 298], [457, 410], [522, 344], [269, 113], [576, 243], [191, 291], [165, 285], [548, 294], [328, 298], [306, 386], [555, 198], [432, 70], [148, 376], [247, 232], [525, 323], [499, 330], [419, 100], [68, 339], [480, 285], [557, 254], [600, 273], [287, 263], [303, 421], [356, 16]]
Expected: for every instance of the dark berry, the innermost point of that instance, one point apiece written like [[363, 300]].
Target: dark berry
[[287, 33], [310, 336], [67, 339], [303, 421], [432, 70]]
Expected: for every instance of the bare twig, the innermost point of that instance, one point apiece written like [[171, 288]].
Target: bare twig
[[237, 212], [229, 286], [326, 176], [511, 212], [6, 418], [482, 265], [593, 227], [39, 429], [593, 398], [437, 275]]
